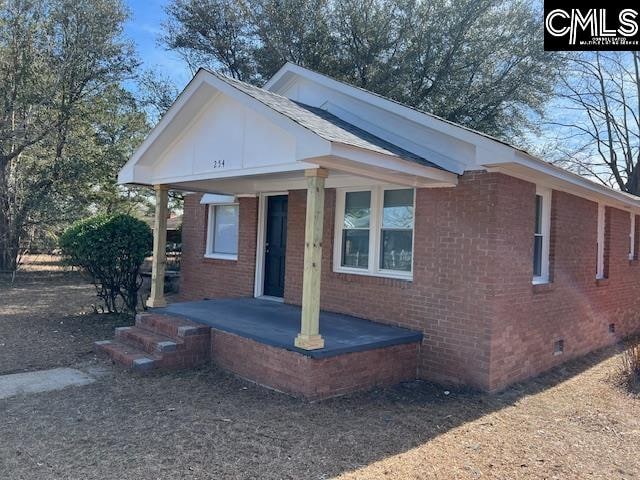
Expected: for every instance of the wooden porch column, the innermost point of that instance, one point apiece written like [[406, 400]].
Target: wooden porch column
[[309, 337], [156, 299]]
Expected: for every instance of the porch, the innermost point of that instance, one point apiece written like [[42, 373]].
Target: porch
[[254, 339], [245, 150], [277, 324]]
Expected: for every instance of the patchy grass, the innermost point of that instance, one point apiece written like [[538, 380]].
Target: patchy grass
[[576, 422]]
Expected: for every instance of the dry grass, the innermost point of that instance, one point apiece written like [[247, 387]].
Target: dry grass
[[630, 365], [573, 423]]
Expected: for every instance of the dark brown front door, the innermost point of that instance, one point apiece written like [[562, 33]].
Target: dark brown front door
[[275, 245]]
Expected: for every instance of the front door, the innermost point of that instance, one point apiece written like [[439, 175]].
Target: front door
[[275, 245]]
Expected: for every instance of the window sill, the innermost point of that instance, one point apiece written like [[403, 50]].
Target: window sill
[[542, 287], [601, 282], [221, 256], [366, 273]]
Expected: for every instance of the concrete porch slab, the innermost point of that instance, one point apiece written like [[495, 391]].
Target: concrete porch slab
[[277, 324]]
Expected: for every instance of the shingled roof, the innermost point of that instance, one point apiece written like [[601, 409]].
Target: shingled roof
[[323, 123]]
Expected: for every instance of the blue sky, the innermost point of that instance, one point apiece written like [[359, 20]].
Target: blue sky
[[144, 27]]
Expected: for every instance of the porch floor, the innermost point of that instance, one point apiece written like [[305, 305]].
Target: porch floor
[[277, 324]]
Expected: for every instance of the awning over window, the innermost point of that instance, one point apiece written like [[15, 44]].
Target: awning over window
[[212, 198]]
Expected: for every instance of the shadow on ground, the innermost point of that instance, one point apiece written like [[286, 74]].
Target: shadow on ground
[[569, 423]]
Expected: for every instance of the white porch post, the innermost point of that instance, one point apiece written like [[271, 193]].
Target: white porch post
[[156, 299], [309, 337]]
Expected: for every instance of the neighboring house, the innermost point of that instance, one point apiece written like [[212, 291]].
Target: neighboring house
[[174, 228], [329, 196]]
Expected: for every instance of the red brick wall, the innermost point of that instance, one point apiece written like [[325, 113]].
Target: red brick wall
[[449, 297], [313, 379], [575, 307], [212, 278]]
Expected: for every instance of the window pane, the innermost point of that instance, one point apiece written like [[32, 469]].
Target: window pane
[[355, 248], [537, 255], [225, 237], [396, 250], [538, 226], [357, 209], [398, 209]]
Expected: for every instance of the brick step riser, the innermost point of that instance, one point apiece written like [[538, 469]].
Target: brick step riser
[[165, 326], [136, 339], [186, 344], [126, 360], [197, 352]]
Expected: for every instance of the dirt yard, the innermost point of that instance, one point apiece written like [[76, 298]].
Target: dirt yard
[[574, 423]]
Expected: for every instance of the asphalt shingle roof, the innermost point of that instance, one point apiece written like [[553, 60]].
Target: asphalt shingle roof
[[323, 123]]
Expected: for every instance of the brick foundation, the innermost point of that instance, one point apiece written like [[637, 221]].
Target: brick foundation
[[310, 378]]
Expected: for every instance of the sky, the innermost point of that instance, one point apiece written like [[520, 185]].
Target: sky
[[144, 27]]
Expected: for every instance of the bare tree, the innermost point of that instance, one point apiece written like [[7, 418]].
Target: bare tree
[[598, 118]]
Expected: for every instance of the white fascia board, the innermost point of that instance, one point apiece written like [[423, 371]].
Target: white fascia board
[[541, 173], [392, 163], [273, 82], [244, 172], [128, 172], [125, 175], [369, 165]]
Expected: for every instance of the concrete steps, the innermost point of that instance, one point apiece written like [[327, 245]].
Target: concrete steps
[[158, 341]]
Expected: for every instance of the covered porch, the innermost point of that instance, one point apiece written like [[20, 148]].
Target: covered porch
[[227, 138], [254, 339]]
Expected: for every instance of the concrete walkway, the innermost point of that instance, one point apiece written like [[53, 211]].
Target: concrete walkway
[[42, 381]]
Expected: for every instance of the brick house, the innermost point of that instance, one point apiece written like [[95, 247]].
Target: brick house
[[314, 205]]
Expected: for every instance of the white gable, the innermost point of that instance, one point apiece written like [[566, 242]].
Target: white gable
[[453, 154], [226, 136], [220, 129]]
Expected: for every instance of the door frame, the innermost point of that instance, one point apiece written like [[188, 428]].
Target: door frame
[[258, 287]]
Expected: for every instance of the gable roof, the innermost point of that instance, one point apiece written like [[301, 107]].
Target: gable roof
[[318, 137], [293, 67], [323, 123], [505, 157]]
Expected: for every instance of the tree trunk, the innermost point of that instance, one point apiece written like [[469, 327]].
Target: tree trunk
[[9, 240]]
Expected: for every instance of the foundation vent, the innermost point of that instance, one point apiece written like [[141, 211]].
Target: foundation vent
[[558, 347]]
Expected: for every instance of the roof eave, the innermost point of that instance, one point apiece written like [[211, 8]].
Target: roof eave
[[535, 170]]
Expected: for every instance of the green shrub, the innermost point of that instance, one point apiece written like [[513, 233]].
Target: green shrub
[[111, 248]]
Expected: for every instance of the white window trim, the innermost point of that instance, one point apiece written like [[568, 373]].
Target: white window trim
[[375, 226], [632, 235], [210, 225], [545, 193], [600, 242], [258, 284]]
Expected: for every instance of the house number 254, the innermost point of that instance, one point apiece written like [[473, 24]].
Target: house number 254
[[218, 164]]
